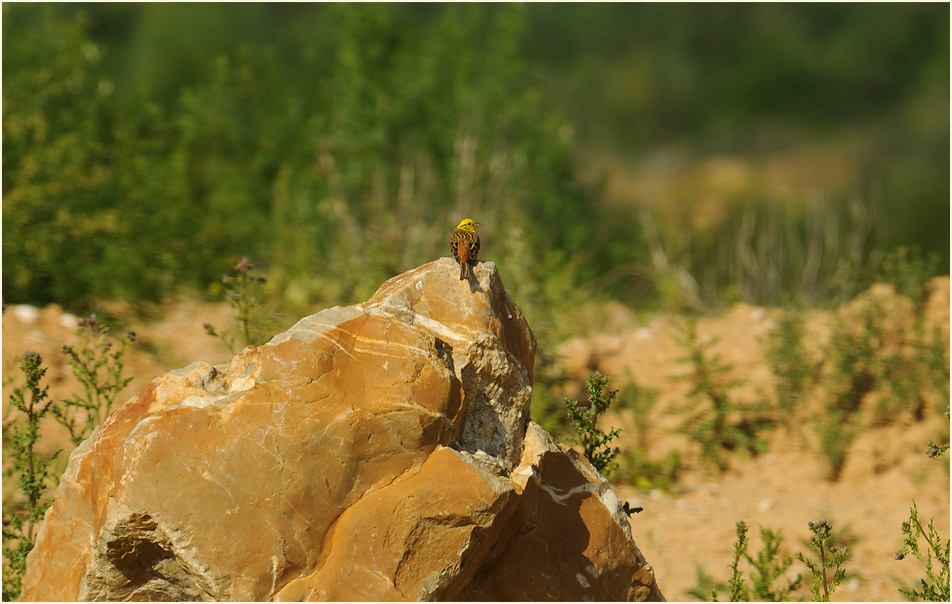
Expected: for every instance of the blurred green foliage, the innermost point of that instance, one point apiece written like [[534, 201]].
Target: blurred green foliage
[[339, 169], [713, 69], [714, 419], [747, 80], [793, 369], [148, 147]]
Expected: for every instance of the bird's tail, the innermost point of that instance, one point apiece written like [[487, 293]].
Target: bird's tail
[[464, 271]]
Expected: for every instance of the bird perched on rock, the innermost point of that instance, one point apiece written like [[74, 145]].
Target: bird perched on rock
[[464, 243]]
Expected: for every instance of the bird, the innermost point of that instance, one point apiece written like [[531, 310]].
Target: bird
[[464, 244]]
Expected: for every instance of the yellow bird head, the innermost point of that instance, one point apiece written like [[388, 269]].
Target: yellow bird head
[[467, 224]]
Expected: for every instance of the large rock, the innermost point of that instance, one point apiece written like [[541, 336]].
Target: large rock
[[377, 451]]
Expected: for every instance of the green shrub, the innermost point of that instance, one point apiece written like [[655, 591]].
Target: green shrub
[[851, 354], [794, 372], [97, 364], [767, 577], [768, 568], [22, 518], [890, 368], [715, 421], [935, 587], [595, 442], [835, 430]]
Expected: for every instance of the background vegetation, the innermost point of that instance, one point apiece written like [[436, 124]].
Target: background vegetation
[[149, 147]]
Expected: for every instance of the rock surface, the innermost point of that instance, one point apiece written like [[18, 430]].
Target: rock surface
[[381, 451]]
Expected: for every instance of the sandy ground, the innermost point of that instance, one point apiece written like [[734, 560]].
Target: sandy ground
[[693, 524]]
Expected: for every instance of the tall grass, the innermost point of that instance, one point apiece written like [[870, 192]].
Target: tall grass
[[763, 253]]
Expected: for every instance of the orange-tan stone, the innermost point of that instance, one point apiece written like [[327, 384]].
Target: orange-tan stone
[[382, 451]]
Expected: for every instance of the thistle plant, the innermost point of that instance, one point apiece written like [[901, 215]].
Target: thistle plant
[[594, 441], [245, 293], [831, 558], [31, 471], [97, 364], [935, 450], [935, 587]]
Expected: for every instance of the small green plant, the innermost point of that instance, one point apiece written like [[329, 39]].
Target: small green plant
[[715, 420], [97, 364], [794, 372], [739, 591], [768, 568], [595, 442], [935, 587], [823, 581], [851, 351], [835, 430], [31, 471], [245, 292]]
